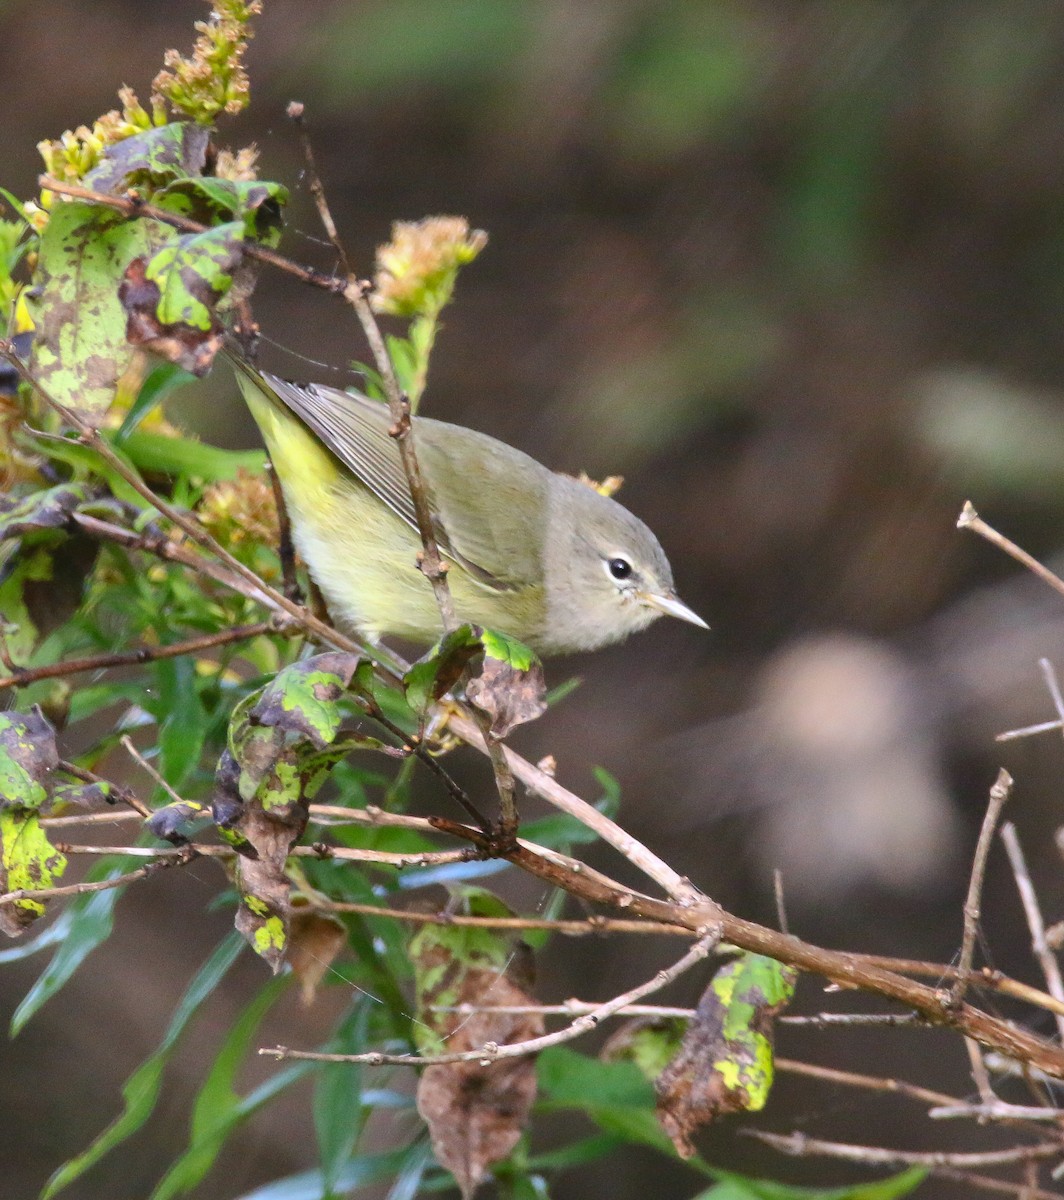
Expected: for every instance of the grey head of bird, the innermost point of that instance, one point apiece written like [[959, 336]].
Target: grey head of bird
[[608, 577]]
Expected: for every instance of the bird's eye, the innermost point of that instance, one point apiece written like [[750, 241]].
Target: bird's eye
[[619, 568]]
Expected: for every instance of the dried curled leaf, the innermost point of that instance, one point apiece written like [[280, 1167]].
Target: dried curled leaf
[[724, 1063], [508, 684], [476, 1111]]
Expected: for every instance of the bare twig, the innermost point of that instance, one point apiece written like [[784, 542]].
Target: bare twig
[[1028, 730], [148, 769], [387, 858], [24, 676], [799, 1146], [1046, 958], [970, 519], [987, 977], [979, 1072], [1052, 686], [998, 1111], [999, 795], [544, 785], [854, 1020], [296, 112], [871, 1083], [183, 856], [492, 1052], [355, 292]]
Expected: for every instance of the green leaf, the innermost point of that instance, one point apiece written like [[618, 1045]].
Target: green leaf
[[182, 720], [89, 919], [218, 1109], [737, 1187], [27, 860], [255, 203], [80, 349], [171, 454], [163, 378], [28, 756], [150, 159], [278, 755], [571, 1080], [339, 1114], [141, 1089], [359, 1172]]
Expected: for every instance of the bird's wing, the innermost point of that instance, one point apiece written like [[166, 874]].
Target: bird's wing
[[500, 554]]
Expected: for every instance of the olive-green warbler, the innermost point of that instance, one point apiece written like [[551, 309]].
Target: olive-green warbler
[[534, 554]]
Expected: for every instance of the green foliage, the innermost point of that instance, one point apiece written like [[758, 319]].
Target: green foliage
[[248, 734], [141, 1089]]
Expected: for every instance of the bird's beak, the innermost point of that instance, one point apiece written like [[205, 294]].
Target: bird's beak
[[672, 606]]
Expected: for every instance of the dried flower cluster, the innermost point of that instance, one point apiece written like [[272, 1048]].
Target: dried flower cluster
[[212, 79], [417, 268]]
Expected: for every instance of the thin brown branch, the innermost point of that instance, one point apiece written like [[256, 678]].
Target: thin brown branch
[[871, 1083], [979, 1072], [999, 795], [1047, 960], [355, 293], [492, 1051], [847, 970], [594, 925], [387, 858], [132, 206], [122, 795], [185, 855], [148, 769], [999, 1110], [854, 1020], [970, 519], [24, 676], [797, 1145], [547, 787], [985, 977], [296, 113]]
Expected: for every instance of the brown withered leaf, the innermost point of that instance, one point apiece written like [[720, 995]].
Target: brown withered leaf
[[510, 696], [179, 342], [314, 941], [725, 1063], [476, 1113]]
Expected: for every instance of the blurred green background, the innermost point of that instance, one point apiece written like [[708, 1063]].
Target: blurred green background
[[797, 272]]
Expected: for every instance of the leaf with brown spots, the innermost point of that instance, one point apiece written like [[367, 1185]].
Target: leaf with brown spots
[[282, 743], [80, 350], [724, 1063], [475, 1112]]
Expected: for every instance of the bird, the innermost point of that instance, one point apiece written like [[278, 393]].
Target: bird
[[532, 553]]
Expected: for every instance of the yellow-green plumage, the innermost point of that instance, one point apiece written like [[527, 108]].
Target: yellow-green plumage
[[529, 550]]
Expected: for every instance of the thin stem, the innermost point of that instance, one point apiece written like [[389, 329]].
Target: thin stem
[[492, 1051], [1046, 958], [799, 1146], [24, 676], [999, 795], [970, 519], [184, 856]]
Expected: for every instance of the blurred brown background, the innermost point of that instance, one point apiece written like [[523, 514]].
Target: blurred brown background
[[797, 272]]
